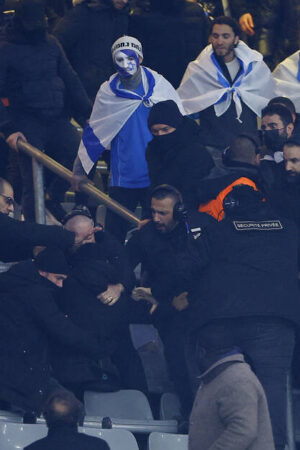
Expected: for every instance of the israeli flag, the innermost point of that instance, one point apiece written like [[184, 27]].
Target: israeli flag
[[113, 107], [287, 79]]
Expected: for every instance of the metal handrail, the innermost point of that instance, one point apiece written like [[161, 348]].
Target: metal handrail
[[87, 188]]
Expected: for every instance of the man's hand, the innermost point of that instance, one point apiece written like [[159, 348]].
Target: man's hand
[[143, 293], [13, 139], [111, 295], [180, 302], [76, 180], [247, 24]]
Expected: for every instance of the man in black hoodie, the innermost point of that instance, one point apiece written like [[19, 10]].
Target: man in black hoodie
[[87, 33], [43, 93], [29, 316], [176, 155]]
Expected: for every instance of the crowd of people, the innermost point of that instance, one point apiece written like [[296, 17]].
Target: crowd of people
[[206, 139]]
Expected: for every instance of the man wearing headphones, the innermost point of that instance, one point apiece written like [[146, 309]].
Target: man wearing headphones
[[171, 249]]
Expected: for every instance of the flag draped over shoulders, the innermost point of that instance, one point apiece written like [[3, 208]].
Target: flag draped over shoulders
[[114, 106], [287, 79], [204, 83]]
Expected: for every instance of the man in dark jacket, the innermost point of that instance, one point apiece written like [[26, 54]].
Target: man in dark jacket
[[252, 292], [176, 155], [173, 33], [43, 92], [82, 300], [29, 316], [87, 33], [171, 251], [240, 166], [63, 412], [263, 23]]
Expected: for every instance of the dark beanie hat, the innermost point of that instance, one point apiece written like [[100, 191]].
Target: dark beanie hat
[[166, 113], [52, 260]]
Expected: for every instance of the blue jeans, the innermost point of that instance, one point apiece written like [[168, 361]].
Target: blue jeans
[[268, 345]]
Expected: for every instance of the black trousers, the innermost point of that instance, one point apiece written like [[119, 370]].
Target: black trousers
[[58, 139], [130, 198], [268, 344]]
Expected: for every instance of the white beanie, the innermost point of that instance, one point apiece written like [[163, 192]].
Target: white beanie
[[127, 43]]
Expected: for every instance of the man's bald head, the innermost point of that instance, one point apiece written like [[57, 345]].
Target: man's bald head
[[63, 407], [84, 228]]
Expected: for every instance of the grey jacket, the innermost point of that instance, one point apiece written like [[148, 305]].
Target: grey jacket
[[230, 411]]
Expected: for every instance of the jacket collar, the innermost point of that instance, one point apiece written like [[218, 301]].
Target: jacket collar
[[219, 366]]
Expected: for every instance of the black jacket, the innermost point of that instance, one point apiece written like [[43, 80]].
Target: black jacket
[[78, 299], [63, 437], [87, 33], [179, 159], [253, 269], [170, 38], [17, 239], [38, 80], [221, 177], [29, 316], [173, 261]]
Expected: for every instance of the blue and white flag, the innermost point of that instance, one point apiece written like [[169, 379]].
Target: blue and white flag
[[204, 83], [113, 107], [287, 79]]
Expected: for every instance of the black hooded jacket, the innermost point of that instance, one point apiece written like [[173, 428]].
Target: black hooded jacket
[[37, 78], [28, 317], [179, 159], [87, 33]]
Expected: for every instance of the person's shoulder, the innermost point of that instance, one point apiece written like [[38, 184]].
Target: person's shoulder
[[93, 442]]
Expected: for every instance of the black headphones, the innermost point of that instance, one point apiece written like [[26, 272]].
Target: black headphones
[[179, 210]]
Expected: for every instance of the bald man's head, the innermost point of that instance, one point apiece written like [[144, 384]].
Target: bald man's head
[[84, 228], [63, 407]]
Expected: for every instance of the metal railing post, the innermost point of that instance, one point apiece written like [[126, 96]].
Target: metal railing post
[[88, 188], [39, 197]]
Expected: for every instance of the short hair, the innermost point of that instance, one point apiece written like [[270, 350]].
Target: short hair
[[285, 101], [282, 111], [62, 407], [243, 148], [166, 191], [224, 20]]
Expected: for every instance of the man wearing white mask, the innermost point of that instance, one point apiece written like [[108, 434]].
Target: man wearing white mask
[[227, 85], [119, 122]]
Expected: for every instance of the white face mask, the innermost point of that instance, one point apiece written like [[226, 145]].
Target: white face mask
[[126, 63]]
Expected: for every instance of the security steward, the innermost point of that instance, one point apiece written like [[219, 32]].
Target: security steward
[[252, 292], [172, 254]]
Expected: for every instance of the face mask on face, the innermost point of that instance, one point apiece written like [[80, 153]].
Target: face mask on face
[[273, 140], [127, 63]]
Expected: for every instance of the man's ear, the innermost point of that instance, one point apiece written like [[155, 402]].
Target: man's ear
[[289, 129]]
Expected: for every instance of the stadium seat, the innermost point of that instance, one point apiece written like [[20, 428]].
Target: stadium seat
[[116, 439], [166, 441], [169, 407], [124, 404]]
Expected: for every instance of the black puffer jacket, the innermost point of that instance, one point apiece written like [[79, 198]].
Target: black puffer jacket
[[28, 317], [87, 33], [172, 33], [179, 159], [37, 78]]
